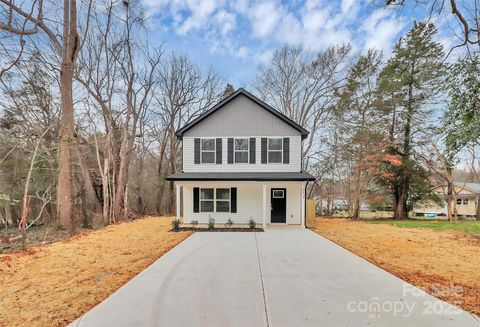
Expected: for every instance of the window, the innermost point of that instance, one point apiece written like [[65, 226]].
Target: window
[[214, 200], [208, 150], [462, 202], [278, 194], [206, 199], [241, 150], [275, 150], [223, 200]]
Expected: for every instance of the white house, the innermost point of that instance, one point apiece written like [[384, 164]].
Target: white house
[[242, 159]]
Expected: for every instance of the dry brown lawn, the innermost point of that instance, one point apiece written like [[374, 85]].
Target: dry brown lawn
[[53, 285], [436, 261]]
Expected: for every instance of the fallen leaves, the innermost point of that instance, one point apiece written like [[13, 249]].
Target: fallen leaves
[[53, 285], [428, 259]]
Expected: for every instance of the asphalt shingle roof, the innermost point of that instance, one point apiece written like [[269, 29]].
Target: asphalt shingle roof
[[242, 176]]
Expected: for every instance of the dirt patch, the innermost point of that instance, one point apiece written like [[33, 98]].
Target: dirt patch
[[10, 239], [54, 284], [444, 264]]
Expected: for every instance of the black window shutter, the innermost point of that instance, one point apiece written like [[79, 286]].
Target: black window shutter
[[286, 150], [252, 149], [230, 150], [233, 199], [196, 151], [218, 148], [196, 199], [264, 150]]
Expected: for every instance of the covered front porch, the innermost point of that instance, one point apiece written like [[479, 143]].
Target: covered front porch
[[267, 202]]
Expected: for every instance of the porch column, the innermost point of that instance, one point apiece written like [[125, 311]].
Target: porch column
[[303, 204], [178, 201], [264, 214]]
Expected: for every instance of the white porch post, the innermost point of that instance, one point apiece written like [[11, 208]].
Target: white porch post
[[264, 214], [303, 204], [178, 201]]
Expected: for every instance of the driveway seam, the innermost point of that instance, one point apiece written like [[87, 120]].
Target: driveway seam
[[261, 282]]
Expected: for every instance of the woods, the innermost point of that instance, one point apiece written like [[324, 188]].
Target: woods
[[89, 111]]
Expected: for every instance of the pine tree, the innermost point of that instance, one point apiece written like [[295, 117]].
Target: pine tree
[[229, 89], [407, 85]]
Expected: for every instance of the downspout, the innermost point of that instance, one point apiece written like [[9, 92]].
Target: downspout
[[305, 203]]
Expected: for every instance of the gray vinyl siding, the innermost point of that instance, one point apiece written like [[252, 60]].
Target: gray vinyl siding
[[241, 117], [293, 165]]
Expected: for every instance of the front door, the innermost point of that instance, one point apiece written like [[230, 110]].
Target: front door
[[279, 205]]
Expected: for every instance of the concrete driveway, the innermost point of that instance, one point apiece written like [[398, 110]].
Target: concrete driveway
[[284, 277]]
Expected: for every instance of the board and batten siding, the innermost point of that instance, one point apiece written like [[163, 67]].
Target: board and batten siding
[[294, 164], [249, 201]]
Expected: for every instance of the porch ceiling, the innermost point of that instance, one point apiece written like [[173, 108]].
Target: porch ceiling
[[242, 176]]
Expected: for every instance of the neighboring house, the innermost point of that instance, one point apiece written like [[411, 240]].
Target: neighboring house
[[242, 160], [466, 195]]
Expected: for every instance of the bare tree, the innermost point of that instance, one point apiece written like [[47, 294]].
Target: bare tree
[[67, 46], [441, 163], [466, 13], [185, 92], [303, 87], [361, 122]]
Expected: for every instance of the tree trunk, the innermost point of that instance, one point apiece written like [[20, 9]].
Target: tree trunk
[[358, 181], [8, 214], [401, 207], [450, 202], [70, 48], [91, 196], [67, 141], [106, 191], [478, 208]]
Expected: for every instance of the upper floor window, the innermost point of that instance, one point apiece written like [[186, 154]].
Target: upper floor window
[[275, 150], [241, 150], [208, 150]]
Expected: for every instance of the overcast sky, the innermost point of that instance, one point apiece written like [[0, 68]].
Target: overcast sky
[[234, 37]]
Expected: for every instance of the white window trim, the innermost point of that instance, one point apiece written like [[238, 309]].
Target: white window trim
[[200, 198], [247, 151], [214, 200], [224, 200], [462, 202], [278, 197], [268, 150], [214, 150]]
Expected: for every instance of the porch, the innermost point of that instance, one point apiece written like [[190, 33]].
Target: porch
[[266, 198]]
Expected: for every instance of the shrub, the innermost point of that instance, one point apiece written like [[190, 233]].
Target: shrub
[[176, 223], [251, 223], [194, 223], [211, 223], [229, 223]]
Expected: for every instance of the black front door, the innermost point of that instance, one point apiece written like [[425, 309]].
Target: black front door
[[279, 205]]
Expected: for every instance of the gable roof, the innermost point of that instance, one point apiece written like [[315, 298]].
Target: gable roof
[[472, 187], [232, 96]]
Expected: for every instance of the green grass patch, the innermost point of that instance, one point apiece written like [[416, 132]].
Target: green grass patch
[[472, 227]]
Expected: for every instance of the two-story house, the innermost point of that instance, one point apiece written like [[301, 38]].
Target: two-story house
[[242, 160]]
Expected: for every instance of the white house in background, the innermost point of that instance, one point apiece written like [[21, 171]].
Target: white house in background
[[242, 159]]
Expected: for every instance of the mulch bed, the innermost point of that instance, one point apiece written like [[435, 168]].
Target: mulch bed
[[217, 229]]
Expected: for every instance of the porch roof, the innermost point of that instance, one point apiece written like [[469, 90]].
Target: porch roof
[[242, 176]]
